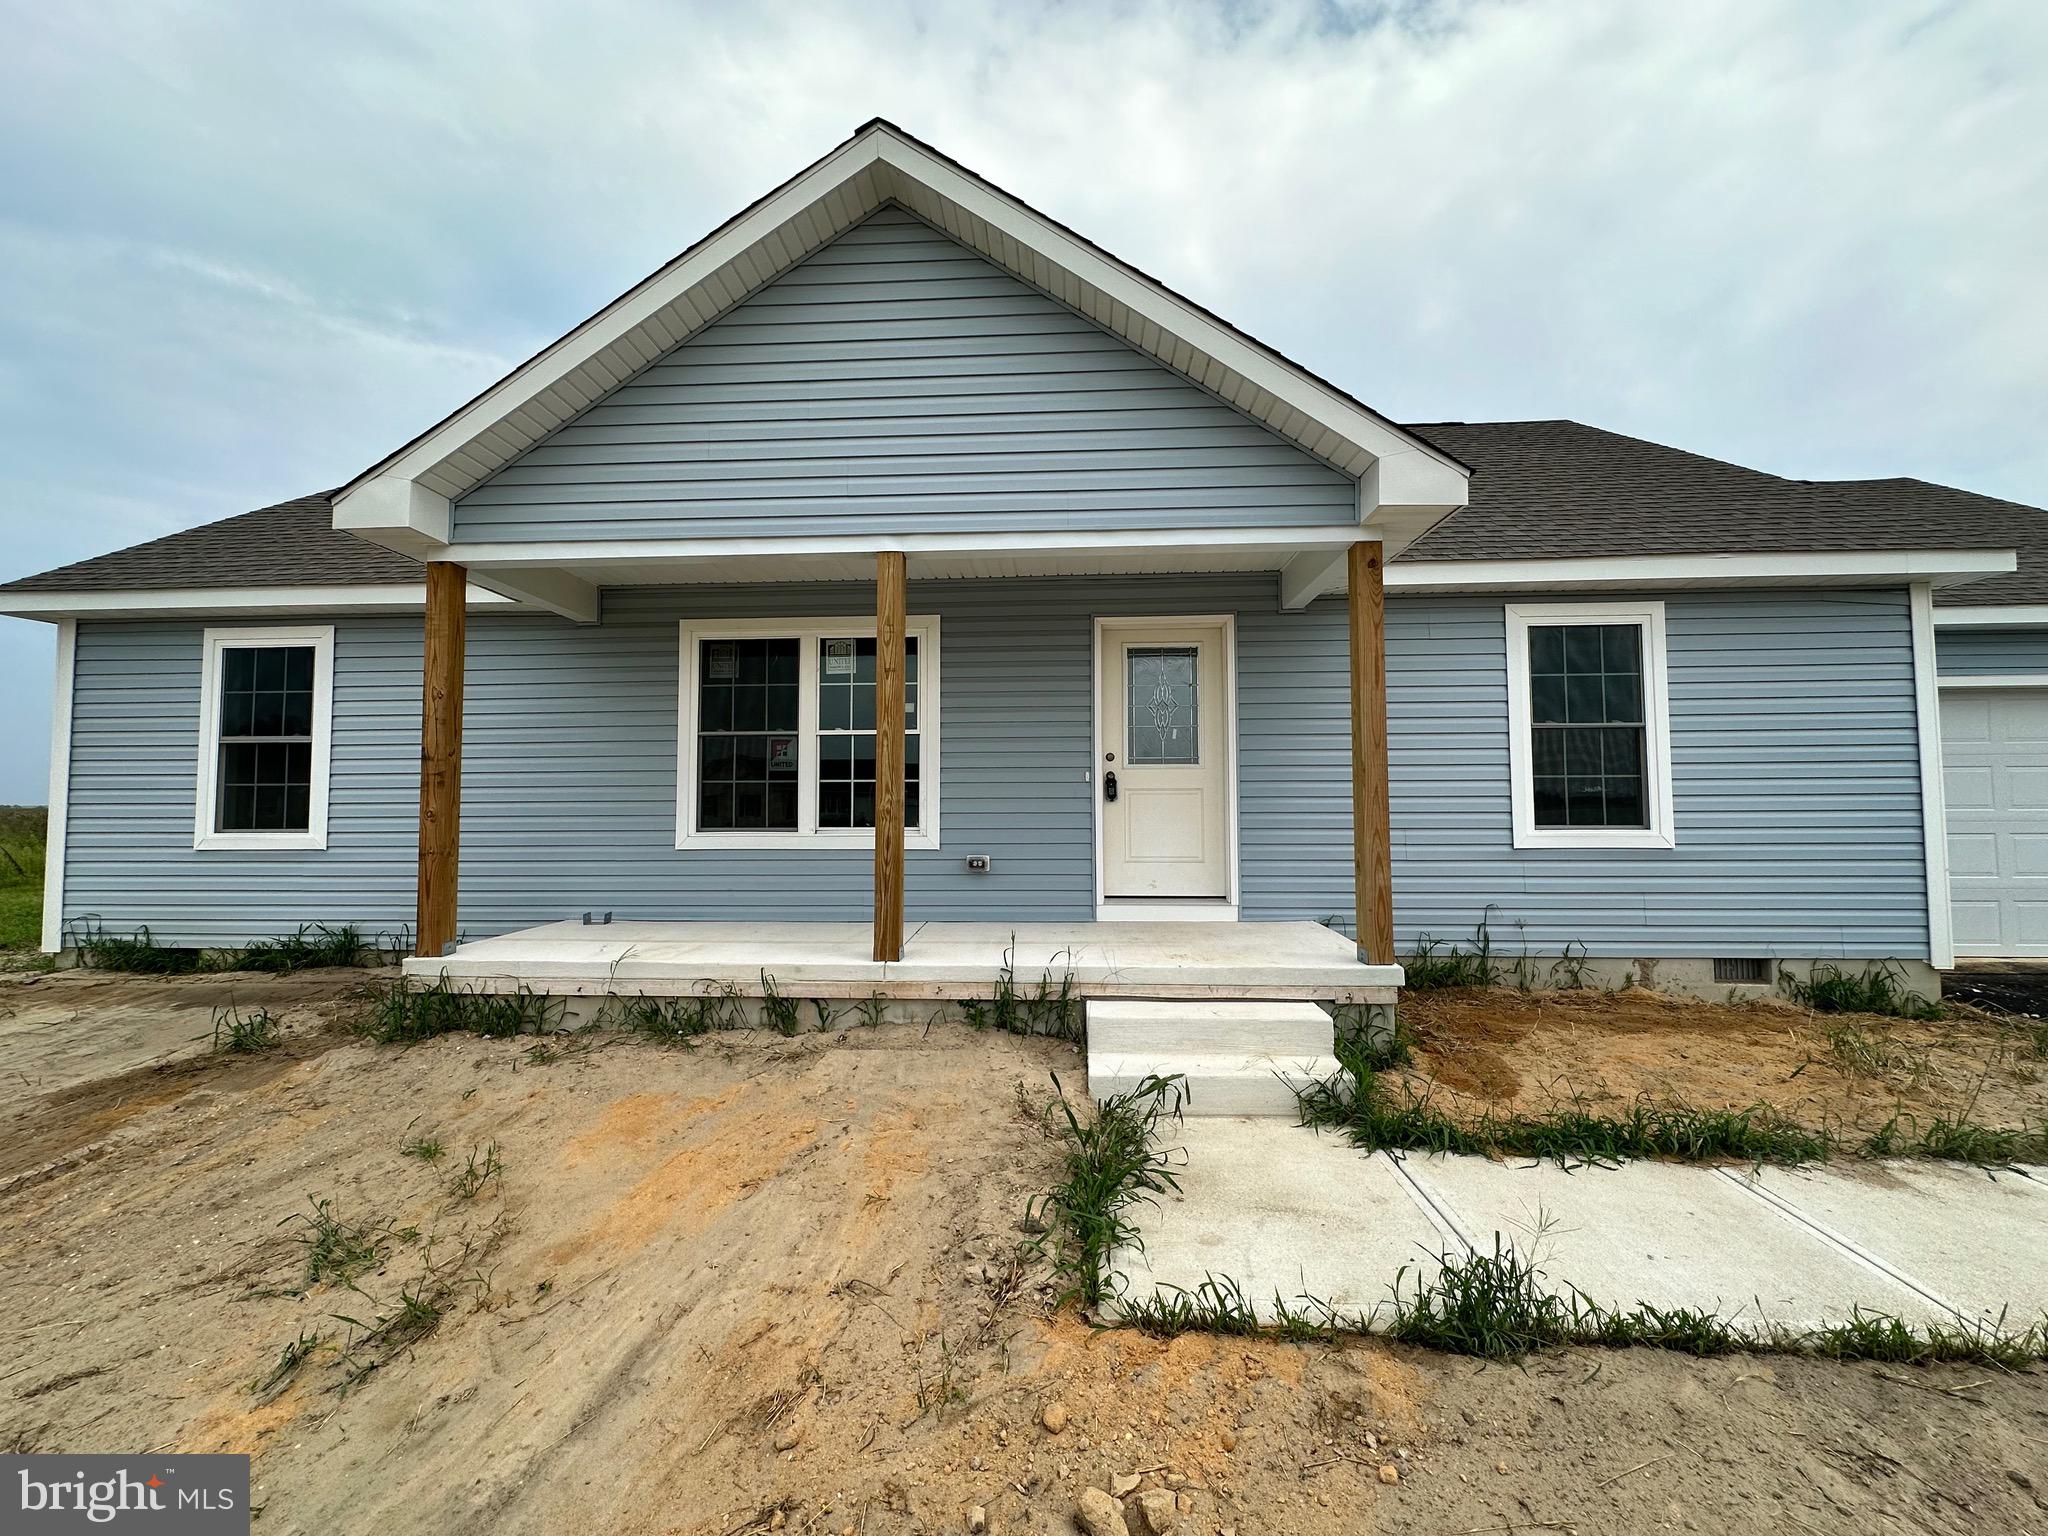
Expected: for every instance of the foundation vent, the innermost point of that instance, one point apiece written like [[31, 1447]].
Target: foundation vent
[[1745, 972]]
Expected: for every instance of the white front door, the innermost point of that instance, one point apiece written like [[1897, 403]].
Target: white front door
[[1994, 758], [1164, 779]]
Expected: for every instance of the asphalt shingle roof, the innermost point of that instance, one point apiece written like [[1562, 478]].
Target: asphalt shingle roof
[[1540, 489], [1544, 489], [291, 544]]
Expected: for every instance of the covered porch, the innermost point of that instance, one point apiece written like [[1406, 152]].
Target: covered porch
[[905, 849]]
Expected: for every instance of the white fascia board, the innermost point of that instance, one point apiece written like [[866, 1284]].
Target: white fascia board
[[485, 560], [1935, 568], [378, 597], [2004, 615]]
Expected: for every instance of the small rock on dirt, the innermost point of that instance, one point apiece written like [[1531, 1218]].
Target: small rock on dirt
[[788, 1437], [1390, 1474], [1124, 1483], [1157, 1512], [1099, 1514], [1228, 1439], [1054, 1417], [977, 1518]]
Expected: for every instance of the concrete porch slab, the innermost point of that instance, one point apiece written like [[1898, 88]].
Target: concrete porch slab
[[941, 961], [1285, 1214]]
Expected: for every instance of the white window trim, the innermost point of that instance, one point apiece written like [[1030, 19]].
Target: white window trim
[[206, 813], [1649, 617], [694, 632]]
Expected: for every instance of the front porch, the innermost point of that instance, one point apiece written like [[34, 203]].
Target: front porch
[[941, 962]]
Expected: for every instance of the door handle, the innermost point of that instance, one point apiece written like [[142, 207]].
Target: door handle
[[1109, 786]]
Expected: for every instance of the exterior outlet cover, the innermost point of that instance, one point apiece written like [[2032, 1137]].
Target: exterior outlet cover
[[979, 863]]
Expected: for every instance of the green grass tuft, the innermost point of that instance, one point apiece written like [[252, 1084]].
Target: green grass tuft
[[1433, 966], [313, 946], [245, 1033], [423, 1149], [1110, 1163], [137, 952], [484, 1166], [403, 1013], [335, 1249], [1876, 989], [1048, 1008], [676, 1020], [1359, 1103]]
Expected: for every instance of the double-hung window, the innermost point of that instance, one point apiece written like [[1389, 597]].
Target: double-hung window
[[777, 734], [265, 728], [1589, 732]]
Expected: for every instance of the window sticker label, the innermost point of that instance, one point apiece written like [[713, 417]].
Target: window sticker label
[[839, 658], [722, 660]]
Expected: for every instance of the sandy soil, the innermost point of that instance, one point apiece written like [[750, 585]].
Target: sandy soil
[[1508, 1050], [774, 1284]]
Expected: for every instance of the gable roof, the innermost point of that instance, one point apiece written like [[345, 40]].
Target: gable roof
[[1545, 489], [402, 501], [1540, 490]]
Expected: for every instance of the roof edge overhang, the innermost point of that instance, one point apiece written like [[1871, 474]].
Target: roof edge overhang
[[1993, 615], [362, 598], [405, 501], [1825, 568]]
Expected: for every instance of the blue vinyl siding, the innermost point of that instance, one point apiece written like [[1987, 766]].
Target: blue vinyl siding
[[1971, 652], [896, 382], [1795, 763]]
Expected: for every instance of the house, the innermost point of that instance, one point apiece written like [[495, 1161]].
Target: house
[[896, 559]]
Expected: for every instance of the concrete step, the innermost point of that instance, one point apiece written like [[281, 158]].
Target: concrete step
[[1228, 1083], [1121, 1027]]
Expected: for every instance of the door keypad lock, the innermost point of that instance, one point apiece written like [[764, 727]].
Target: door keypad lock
[[1109, 786]]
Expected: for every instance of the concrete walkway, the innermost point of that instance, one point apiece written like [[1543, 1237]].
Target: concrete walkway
[[1289, 1212]]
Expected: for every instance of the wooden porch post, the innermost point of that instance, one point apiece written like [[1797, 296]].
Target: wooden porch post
[[1371, 831], [890, 616], [441, 755]]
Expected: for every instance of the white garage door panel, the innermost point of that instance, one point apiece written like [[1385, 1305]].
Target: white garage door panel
[[1994, 747]]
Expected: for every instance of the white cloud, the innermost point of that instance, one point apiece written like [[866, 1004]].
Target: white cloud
[[250, 247]]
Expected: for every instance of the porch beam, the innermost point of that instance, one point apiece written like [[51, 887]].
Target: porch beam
[[558, 592], [891, 613], [441, 756], [1371, 823], [1312, 574]]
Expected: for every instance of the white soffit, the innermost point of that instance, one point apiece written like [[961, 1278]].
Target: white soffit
[[403, 501]]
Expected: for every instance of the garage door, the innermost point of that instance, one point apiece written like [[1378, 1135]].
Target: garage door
[[1994, 751]]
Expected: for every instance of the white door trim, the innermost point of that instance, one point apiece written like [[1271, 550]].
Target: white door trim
[[1108, 909]]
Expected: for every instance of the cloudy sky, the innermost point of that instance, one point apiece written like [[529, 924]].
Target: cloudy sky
[[247, 248]]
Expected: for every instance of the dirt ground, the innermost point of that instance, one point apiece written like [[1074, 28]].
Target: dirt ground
[[777, 1284], [1514, 1051]]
